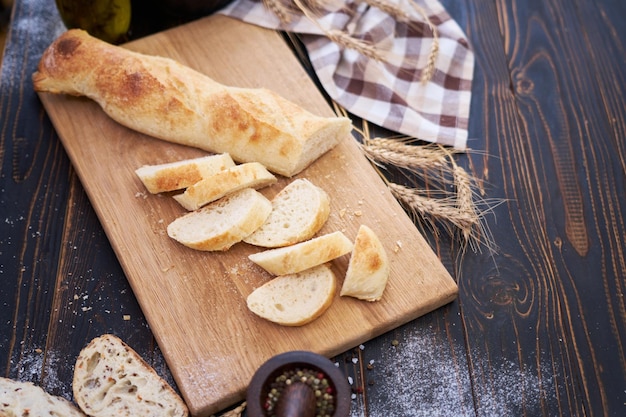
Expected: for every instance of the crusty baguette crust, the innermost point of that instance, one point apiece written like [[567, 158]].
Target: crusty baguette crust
[[247, 175], [368, 269], [301, 256], [177, 175], [19, 399], [162, 98], [111, 379]]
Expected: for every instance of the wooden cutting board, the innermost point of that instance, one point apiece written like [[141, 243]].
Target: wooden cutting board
[[195, 301]]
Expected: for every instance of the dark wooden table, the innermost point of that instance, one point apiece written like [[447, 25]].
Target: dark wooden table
[[539, 327]]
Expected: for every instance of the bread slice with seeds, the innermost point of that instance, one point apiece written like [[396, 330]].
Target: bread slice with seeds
[[298, 212], [19, 399], [295, 299], [368, 269], [111, 379], [248, 175], [296, 258], [177, 175], [221, 224]]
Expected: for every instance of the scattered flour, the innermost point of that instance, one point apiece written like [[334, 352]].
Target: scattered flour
[[420, 376], [42, 369]]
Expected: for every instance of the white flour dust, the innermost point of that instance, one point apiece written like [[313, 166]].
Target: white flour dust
[[422, 377], [42, 370]]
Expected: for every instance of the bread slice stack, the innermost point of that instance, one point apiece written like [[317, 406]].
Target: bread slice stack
[[222, 183], [226, 208], [173, 176]]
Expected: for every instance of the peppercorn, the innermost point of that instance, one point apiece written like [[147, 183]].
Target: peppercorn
[[319, 383]]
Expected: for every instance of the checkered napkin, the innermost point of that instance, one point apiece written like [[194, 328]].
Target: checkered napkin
[[388, 92]]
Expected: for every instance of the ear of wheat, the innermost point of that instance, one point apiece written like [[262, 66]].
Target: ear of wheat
[[452, 201], [402, 12]]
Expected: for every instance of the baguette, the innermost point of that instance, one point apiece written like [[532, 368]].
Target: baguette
[[111, 379], [248, 175], [298, 212], [295, 299], [26, 399], [219, 225], [368, 269], [177, 175], [296, 258], [160, 97]]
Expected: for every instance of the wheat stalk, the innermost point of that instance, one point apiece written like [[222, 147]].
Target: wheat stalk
[[392, 9], [404, 155], [284, 9], [465, 201], [429, 70], [442, 209], [280, 9], [343, 39]]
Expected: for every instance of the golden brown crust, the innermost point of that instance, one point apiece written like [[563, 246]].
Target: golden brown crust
[[368, 269], [162, 98]]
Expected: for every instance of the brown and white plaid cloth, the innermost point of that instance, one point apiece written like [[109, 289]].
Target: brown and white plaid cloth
[[387, 92]]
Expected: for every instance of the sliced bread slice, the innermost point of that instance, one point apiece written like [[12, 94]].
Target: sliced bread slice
[[207, 190], [222, 223], [177, 175], [298, 212], [26, 399], [295, 299], [304, 255], [111, 379], [368, 269]]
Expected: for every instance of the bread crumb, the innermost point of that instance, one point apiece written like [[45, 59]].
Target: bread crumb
[[126, 317], [398, 246], [358, 213], [342, 213]]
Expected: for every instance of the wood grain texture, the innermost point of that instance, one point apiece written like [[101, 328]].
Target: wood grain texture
[[553, 297], [195, 301], [538, 328]]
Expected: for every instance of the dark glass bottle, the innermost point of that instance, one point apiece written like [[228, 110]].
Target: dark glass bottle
[[118, 21], [108, 20]]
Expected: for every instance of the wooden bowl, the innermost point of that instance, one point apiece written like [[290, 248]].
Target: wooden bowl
[[267, 373]]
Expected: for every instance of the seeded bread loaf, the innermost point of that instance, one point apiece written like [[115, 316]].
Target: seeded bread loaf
[[296, 258], [111, 379], [368, 269], [298, 212], [164, 99], [19, 399], [247, 175], [177, 175], [222, 223], [295, 299]]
